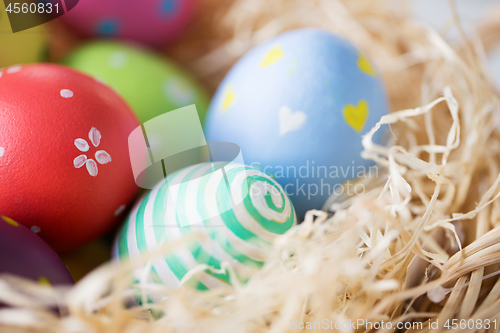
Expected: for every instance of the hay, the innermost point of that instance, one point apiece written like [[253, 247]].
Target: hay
[[423, 244]]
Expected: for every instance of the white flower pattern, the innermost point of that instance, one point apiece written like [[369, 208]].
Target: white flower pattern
[[101, 156]]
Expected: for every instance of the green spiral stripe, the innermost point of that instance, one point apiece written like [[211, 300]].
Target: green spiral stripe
[[175, 263], [141, 235], [123, 241], [197, 249], [200, 250], [270, 225]]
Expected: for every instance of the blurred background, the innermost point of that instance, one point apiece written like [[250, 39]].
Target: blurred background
[[472, 15]]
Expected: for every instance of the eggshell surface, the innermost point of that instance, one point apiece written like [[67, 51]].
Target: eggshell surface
[[298, 106], [64, 163], [214, 213], [150, 84]]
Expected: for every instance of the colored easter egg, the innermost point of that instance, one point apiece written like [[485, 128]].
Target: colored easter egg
[[22, 47], [87, 258], [224, 213], [298, 106], [64, 164], [149, 22], [24, 254], [150, 84]]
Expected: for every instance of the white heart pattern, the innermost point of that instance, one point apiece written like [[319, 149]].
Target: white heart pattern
[[2, 151], [290, 121]]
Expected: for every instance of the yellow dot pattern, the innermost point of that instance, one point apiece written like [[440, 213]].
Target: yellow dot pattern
[[10, 221], [228, 99], [42, 280]]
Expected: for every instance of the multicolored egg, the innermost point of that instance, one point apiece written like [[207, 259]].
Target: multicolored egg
[[22, 47], [150, 84], [64, 164], [25, 254], [217, 213], [298, 106], [149, 22]]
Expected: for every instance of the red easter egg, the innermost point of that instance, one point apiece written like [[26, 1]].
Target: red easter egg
[[64, 165]]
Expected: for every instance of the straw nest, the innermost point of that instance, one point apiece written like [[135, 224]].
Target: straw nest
[[421, 246]]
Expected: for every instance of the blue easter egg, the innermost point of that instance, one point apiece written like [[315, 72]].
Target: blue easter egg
[[298, 106]]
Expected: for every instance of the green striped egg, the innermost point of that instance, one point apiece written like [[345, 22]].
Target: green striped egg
[[217, 212]]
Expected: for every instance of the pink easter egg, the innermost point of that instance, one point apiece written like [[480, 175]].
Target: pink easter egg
[[150, 22]]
